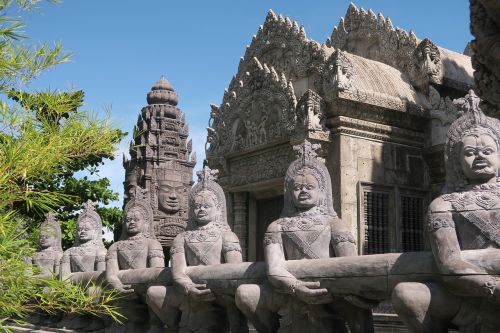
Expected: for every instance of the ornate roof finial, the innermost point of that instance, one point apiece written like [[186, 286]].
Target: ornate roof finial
[[89, 205], [207, 174], [306, 151]]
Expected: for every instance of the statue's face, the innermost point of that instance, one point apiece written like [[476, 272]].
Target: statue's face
[[205, 209], [305, 190], [169, 196], [86, 231], [47, 239], [134, 221], [479, 157]]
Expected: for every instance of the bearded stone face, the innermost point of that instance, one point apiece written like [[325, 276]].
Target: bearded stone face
[[479, 157], [305, 190], [170, 196]]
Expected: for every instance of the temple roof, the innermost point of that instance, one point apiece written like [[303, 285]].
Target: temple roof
[[374, 37], [375, 77]]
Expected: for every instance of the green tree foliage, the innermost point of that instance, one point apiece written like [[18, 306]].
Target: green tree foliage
[[44, 140], [55, 109]]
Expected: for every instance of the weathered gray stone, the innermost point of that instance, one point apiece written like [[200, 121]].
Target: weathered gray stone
[[161, 162], [308, 229], [464, 217], [48, 256], [207, 241]]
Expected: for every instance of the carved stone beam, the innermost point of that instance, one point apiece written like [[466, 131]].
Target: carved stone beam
[[370, 276]]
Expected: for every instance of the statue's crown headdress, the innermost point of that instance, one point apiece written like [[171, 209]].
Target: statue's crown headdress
[[306, 151], [89, 211]]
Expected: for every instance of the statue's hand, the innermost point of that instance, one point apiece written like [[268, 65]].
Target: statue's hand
[[200, 293], [310, 293], [126, 291]]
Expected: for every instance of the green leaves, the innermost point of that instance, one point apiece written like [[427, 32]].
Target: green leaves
[[44, 140]]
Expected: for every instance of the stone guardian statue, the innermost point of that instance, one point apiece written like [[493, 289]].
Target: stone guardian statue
[[136, 249], [308, 228], [208, 240], [464, 217], [48, 256], [88, 253]]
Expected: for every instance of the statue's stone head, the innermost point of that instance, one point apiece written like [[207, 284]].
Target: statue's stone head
[[50, 234], [306, 190], [307, 183], [138, 216], [207, 203], [205, 208], [170, 195], [88, 226], [472, 148]]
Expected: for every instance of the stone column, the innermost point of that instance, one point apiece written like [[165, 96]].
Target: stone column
[[240, 226]]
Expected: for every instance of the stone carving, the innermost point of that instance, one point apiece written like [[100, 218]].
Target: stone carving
[[485, 26], [88, 252], [338, 75], [308, 228], [373, 36], [136, 249], [282, 44], [443, 112], [260, 109], [427, 67], [208, 240], [161, 162], [311, 116], [464, 217], [48, 256]]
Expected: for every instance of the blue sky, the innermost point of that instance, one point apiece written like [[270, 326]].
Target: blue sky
[[122, 47]]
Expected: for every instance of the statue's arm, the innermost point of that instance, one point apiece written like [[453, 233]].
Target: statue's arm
[[179, 265], [112, 268], [278, 276], [343, 242], [65, 269], [57, 264], [460, 276], [156, 258], [100, 260], [231, 248]]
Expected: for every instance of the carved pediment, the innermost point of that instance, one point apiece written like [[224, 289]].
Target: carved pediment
[[282, 44], [259, 109], [373, 37]]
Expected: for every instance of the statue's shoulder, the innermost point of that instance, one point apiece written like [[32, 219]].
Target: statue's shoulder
[[443, 203], [114, 246], [229, 236], [101, 251], [276, 225], [153, 243], [179, 239]]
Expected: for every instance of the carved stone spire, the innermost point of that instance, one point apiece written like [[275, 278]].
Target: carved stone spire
[[161, 161]]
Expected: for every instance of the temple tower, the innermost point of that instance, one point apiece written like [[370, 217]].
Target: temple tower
[[161, 162]]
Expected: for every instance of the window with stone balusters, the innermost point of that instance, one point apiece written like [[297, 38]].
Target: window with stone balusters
[[391, 219]]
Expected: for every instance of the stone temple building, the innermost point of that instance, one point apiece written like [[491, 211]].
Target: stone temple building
[[161, 162], [377, 98]]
